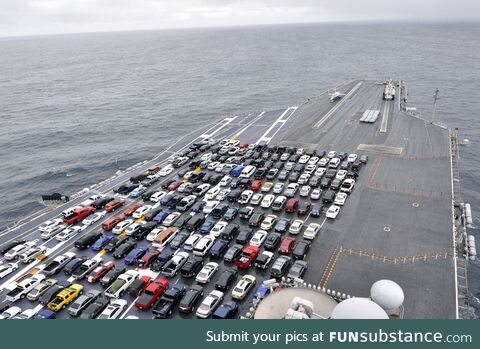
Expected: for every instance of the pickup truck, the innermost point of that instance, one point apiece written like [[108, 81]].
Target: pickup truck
[[24, 287], [119, 286], [168, 302], [58, 263]]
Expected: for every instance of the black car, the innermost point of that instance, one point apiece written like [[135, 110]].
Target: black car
[[304, 207], [181, 221], [125, 189], [111, 276], [94, 309], [165, 306], [356, 166], [293, 176], [331, 173], [314, 181], [301, 249], [144, 230], [190, 299], [192, 266], [147, 183], [215, 179], [136, 287], [336, 183], [272, 241], [233, 196], [51, 293], [230, 232], [219, 211], [280, 266], [232, 253], [122, 250], [255, 219], [101, 202], [344, 165], [195, 221], [138, 178], [328, 197], [88, 240], [235, 182], [73, 265], [244, 235], [246, 212], [260, 173], [115, 242], [179, 239], [297, 270], [165, 184], [352, 175], [226, 279], [150, 215], [325, 183], [164, 256], [11, 244], [245, 183]]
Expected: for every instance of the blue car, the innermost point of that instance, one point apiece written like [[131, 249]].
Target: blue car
[[316, 210], [198, 207], [159, 218], [237, 171], [230, 214], [102, 242], [227, 310], [282, 225], [135, 255], [219, 248], [207, 226], [261, 292], [45, 314]]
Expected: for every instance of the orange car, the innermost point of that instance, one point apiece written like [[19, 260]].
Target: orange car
[[113, 205], [132, 208], [112, 221]]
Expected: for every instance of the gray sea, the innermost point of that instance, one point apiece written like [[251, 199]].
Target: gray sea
[[76, 108]]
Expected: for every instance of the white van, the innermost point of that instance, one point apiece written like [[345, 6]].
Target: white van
[[248, 171], [70, 210], [212, 192], [334, 163]]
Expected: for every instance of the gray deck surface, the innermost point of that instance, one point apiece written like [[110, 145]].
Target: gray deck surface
[[397, 224]]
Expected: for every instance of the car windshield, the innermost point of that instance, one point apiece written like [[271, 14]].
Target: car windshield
[[238, 290]]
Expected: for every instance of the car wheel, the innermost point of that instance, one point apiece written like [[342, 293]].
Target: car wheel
[[22, 296]]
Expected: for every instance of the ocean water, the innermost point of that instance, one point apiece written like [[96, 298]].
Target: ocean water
[[76, 108]]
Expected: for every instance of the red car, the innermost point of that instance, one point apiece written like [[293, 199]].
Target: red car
[[247, 257], [243, 146], [291, 205], [287, 245], [148, 259], [97, 273], [174, 185], [153, 292], [256, 184], [114, 204], [132, 208], [79, 214]]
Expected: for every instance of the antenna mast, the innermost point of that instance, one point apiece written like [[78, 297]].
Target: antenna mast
[[434, 109]]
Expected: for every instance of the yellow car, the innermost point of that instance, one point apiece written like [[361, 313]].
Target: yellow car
[[65, 297]]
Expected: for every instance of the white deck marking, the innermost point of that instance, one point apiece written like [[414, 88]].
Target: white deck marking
[[281, 121], [384, 124]]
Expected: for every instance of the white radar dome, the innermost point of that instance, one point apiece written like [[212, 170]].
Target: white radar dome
[[358, 308], [387, 294]]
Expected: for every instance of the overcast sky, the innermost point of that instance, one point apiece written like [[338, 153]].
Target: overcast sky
[[28, 17]]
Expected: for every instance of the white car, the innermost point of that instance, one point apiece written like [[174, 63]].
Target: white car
[[206, 157], [256, 199], [66, 234], [352, 157], [120, 227], [313, 160], [212, 193], [7, 268], [258, 238], [267, 201], [90, 200], [211, 166], [332, 154], [310, 169], [183, 187], [304, 159], [278, 188], [347, 185], [205, 275], [284, 157], [25, 315], [320, 171], [223, 194], [305, 190], [133, 228], [316, 194], [304, 178], [165, 171], [323, 162], [243, 286], [218, 228], [311, 231], [226, 180], [171, 218], [15, 252], [296, 227], [219, 168], [192, 240], [300, 151], [332, 212], [210, 206], [268, 222], [52, 231], [141, 211], [119, 286], [209, 304], [114, 309], [340, 199], [291, 190], [341, 174], [50, 224], [154, 233], [94, 218], [157, 196], [203, 245], [10, 313], [245, 196], [201, 189]]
